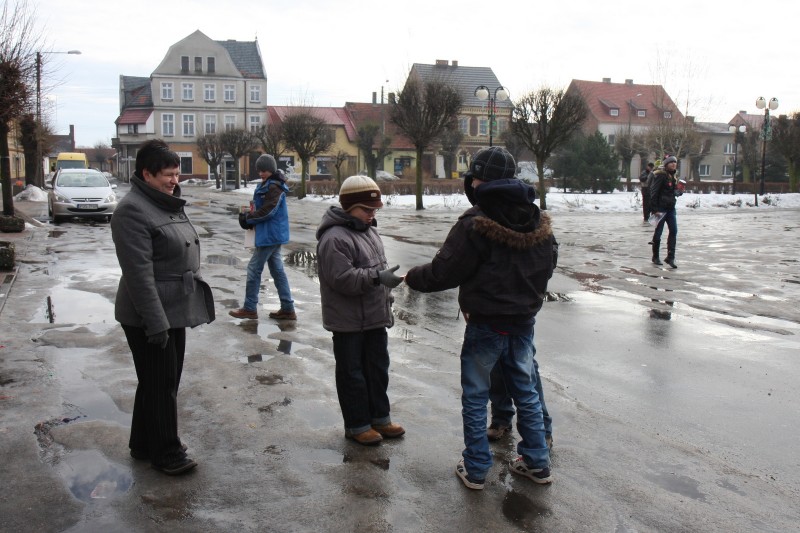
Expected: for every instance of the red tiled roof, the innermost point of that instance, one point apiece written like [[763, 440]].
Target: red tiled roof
[[333, 116], [629, 98], [365, 113], [134, 116]]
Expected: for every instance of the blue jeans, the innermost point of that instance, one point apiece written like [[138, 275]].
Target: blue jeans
[[671, 220], [272, 256], [502, 406], [362, 378], [482, 350]]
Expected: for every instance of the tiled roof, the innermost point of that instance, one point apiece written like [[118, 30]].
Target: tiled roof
[[134, 116], [753, 122], [136, 91], [629, 98], [246, 56], [464, 79], [364, 113], [333, 116], [711, 127]]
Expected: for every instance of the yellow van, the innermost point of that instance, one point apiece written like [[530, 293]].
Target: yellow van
[[71, 160]]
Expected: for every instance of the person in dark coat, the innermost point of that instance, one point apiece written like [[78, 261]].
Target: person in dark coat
[[355, 285], [160, 294], [663, 192], [644, 181], [500, 254]]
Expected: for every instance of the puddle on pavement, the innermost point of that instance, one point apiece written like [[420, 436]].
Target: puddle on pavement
[[683, 485], [93, 478], [271, 332], [223, 260], [78, 307], [304, 261], [519, 508]]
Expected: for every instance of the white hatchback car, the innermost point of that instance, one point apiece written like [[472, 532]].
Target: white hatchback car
[[81, 192]]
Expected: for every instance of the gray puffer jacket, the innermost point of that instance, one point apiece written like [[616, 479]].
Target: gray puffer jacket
[[159, 254], [350, 254]]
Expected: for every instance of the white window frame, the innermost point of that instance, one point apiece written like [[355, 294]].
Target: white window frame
[[187, 92], [229, 92], [187, 121], [166, 91], [727, 171], [667, 114], [255, 123], [613, 112], [255, 94], [463, 125], [210, 124], [230, 122], [641, 113], [168, 124], [704, 170], [483, 127], [209, 92], [728, 150]]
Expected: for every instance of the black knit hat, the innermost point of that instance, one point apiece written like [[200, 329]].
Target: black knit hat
[[493, 163], [266, 163]]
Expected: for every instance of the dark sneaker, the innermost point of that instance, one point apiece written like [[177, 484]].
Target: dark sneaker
[[671, 262], [243, 313], [469, 481], [369, 437], [283, 315], [497, 431], [390, 431], [177, 467], [538, 475]]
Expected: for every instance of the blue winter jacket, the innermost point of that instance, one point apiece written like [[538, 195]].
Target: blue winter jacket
[[271, 225]]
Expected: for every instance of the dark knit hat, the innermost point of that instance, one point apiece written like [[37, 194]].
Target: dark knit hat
[[669, 159], [360, 191], [493, 163], [266, 163]]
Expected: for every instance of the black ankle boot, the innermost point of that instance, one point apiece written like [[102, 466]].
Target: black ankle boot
[[656, 260], [671, 262], [656, 245]]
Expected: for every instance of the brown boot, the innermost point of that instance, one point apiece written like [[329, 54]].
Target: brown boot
[[243, 313], [497, 431], [390, 431], [369, 437], [283, 315]]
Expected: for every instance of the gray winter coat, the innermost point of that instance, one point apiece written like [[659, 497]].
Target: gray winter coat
[[349, 255], [159, 254]]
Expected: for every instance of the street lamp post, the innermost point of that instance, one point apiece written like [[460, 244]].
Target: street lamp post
[[500, 94], [39, 174], [735, 131], [766, 132]]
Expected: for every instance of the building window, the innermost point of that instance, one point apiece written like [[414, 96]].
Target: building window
[[209, 92], [462, 160], [611, 139], [186, 165], [187, 91], [641, 113], [230, 122], [255, 93], [727, 171], [198, 64], [613, 112], [502, 124], [463, 125], [322, 165], [667, 114], [483, 126], [168, 124], [211, 123], [166, 90], [188, 125], [704, 170], [728, 148], [212, 65], [184, 64], [229, 91], [255, 123], [133, 129]]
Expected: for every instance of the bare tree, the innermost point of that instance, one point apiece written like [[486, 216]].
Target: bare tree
[[339, 159], [423, 111], [271, 138], [545, 119], [450, 140], [238, 143], [366, 144], [212, 151], [19, 41], [308, 135], [786, 141], [625, 147]]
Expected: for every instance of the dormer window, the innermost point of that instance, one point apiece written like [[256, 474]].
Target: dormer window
[[667, 114], [613, 112], [184, 64], [198, 64], [641, 113]]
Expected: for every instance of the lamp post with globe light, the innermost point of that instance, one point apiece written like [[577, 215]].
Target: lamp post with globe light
[[736, 131], [766, 133], [500, 94]]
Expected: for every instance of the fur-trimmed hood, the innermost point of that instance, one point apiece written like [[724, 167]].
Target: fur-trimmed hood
[[496, 232]]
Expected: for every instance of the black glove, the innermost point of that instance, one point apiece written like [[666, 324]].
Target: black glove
[[161, 338], [388, 279], [243, 221]]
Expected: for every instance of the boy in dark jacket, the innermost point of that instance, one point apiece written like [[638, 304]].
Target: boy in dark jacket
[[663, 191], [501, 254]]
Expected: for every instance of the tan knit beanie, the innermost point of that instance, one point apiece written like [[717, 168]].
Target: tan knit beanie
[[360, 191]]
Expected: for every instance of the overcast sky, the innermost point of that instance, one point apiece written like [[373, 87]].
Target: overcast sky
[[715, 57]]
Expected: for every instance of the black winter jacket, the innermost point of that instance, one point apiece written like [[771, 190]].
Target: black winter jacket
[[500, 253], [662, 191]]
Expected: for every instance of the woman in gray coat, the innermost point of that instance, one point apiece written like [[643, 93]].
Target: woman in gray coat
[[160, 294]]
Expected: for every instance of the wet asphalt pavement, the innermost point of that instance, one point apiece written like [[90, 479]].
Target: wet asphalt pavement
[[673, 392]]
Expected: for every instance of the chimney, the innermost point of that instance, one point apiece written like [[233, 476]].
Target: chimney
[[454, 62], [442, 62], [72, 137], [628, 82], [374, 97], [606, 80]]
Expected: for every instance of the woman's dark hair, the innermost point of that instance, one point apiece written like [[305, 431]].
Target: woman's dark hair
[[154, 156]]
